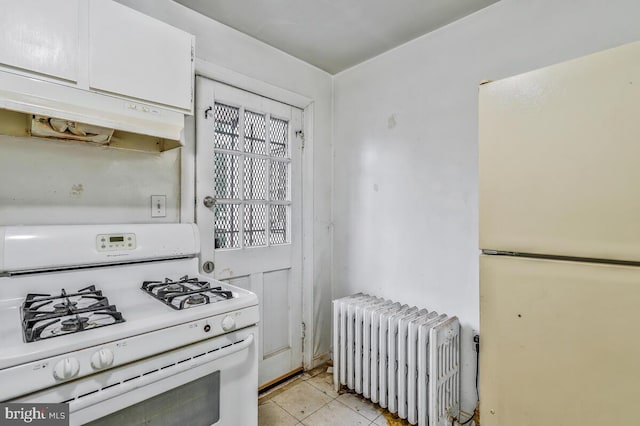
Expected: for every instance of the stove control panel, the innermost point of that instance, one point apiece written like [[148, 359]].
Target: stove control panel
[[66, 368], [228, 323], [102, 359], [113, 242]]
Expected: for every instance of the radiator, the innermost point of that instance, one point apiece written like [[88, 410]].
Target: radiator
[[403, 358]]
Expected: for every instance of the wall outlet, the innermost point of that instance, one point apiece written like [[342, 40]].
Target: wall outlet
[[158, 206]]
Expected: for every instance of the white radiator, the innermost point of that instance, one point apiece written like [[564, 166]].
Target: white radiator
[[403, 358]]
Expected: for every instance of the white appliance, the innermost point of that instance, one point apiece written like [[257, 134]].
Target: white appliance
[[403, 358], [560, 234], [103, 318]]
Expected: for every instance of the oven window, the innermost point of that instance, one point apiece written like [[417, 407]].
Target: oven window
[[196, 403]]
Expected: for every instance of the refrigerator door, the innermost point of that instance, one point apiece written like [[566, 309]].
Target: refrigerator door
[[560, 159], [560, 343]]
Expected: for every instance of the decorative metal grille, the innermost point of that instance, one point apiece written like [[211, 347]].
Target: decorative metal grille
[[226, 225], [226, 175], [264, 199], [254, 133], [279, 131], [255, 224], [279, 184], [255, 178], [226, 122], [278, 219]]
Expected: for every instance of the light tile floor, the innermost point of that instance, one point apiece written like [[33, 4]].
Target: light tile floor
[[310, 400]]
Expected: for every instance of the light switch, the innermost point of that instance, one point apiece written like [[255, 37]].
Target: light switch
[[158, 205]]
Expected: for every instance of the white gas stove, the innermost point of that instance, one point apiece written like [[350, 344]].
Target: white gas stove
[[115, 321]]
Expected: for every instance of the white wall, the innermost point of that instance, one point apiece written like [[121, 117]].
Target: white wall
[[405, 149], [227, 48], [45, 182]]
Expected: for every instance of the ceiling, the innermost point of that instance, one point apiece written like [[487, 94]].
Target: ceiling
[[335, 34]]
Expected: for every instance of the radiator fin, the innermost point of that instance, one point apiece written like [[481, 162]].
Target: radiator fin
[[401, 357]]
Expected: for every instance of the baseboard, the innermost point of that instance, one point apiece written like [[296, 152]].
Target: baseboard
[[278, 380], [319, 360]]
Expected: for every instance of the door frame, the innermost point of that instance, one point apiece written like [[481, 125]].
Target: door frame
[[188, 178]]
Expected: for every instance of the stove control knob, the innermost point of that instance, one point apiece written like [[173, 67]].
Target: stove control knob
[[66, 369], [228, 323], [102, 359]]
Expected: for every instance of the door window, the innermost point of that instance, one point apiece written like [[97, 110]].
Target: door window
[[252, 186]]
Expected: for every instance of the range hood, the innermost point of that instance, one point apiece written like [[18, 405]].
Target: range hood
[[41, 108], [57, 128]]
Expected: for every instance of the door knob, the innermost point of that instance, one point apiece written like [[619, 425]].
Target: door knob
[[208, 267], [209, 201]]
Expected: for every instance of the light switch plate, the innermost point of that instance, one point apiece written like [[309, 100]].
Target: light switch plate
[[158, 205]]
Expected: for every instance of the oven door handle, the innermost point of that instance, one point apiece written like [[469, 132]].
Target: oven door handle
[[112, 391]]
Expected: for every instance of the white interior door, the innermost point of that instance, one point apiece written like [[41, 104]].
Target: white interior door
[[248, 207]]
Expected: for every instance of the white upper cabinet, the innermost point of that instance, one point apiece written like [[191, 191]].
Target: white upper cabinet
[[99, 46], [138, 56], [41, 36]]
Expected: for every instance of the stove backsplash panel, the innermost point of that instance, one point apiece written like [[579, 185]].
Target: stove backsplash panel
[[52, 182]]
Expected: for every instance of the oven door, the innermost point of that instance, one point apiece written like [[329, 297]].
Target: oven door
[[213, 382]]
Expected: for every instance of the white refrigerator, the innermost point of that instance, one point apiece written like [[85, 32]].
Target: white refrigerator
[[560, 238]]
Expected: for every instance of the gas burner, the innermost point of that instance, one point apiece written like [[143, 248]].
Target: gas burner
[[195, 299], [74, 324], [185, 292], [44, 315], [174, 287], [65, 306]]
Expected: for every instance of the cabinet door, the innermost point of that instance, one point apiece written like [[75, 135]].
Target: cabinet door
[[40, 36], [137, 56]]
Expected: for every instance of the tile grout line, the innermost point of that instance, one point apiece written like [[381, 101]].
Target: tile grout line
[[355, 411], [300, 420], [322, 390], [307, 378]]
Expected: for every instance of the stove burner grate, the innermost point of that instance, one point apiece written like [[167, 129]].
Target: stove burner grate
[[185, 293], [80, 311]]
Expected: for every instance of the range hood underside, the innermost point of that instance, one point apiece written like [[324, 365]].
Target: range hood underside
[[13, 123], [137, 125]]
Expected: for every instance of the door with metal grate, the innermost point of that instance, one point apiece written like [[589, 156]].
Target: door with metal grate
[[248, 183]]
